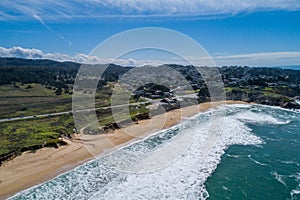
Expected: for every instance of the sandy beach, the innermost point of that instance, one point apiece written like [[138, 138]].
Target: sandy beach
[[30, 169]]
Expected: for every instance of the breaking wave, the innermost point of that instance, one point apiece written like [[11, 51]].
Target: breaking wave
[[183, 179]]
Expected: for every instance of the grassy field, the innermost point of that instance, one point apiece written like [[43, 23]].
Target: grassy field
[[33, 99], [28, 133], [26, 90]]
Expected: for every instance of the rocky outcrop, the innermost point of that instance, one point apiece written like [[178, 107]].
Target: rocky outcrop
[[142, 116], [290, 105], [112, 126]]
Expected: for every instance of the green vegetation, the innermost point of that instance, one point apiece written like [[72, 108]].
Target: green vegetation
[[192, 91], [15, 136], [25, 90], [34, 87], [105, 117], [264, 95], [31, 99], [237, 89]]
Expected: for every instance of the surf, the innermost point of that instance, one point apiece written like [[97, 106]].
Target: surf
[[183, 178]]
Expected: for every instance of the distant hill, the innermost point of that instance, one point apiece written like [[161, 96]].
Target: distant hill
[[48, 72], [266, 85]]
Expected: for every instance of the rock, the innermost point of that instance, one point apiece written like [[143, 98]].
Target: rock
[[142, 116], [290, 105]]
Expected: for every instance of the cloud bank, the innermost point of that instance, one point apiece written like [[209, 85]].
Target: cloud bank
[[260, 59], [74, 9], [20, 52], [252, 59]]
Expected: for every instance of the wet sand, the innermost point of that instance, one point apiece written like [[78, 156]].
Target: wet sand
[[30, 169]]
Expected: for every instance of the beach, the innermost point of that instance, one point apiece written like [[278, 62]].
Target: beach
[[30, 169]]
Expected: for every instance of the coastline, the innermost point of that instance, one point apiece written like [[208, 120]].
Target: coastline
[[30, 169]]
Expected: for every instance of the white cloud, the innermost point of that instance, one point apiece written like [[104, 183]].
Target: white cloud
[[20, 52], [260, 59], [253, 59], [136, 8]]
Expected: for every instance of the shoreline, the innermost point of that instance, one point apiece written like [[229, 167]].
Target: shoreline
[[30, 169]]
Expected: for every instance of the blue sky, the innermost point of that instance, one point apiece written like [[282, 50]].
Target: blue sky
[[234, 32]]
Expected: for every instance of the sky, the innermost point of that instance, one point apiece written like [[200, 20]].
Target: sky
[[233, 32]]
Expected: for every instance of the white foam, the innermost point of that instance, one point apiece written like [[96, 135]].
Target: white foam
[[232, 156], [295, 111], [239, 105], [296, 192], [279, 178], [225, 188], [191, 170], [183, 179], [289, 162], [255, 161], [259, 118]]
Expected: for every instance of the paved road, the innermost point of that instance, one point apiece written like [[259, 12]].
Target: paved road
[[85, 110], [70, 112]]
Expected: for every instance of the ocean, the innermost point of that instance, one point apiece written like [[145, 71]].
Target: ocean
[[291, 67], [294, 67], [256, 155]]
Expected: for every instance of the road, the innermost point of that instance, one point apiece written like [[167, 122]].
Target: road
[[85, 110], [69, 112]]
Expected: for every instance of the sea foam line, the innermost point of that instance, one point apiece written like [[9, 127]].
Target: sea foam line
[[255, 161], [182, 180]]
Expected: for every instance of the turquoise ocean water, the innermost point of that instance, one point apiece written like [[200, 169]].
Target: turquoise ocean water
[[255, 156]]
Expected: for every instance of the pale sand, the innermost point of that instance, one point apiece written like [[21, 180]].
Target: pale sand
[[30, 169]]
